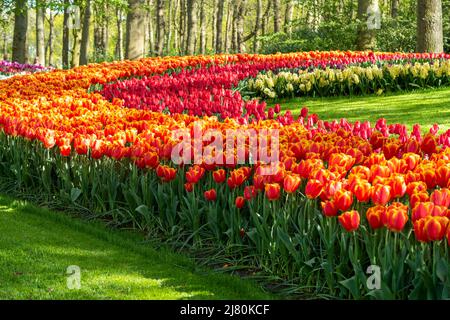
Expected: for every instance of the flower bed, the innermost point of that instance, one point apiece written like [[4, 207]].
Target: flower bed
[[9, 69], [340, 197]]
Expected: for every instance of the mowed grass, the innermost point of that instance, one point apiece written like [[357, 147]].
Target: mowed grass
[[37, 246], [425, 107]]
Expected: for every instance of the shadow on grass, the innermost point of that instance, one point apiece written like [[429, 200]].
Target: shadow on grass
[[37, 246]]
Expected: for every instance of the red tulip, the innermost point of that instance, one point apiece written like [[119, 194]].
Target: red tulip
[[189, 187], [419, 230], [272, 191], [291, 183], [418, 197], [219, 176], [240, 202], [422, 210], [313, 188], [329, 209], [350, 220], [443, 176], [398, 186], [211, 195]]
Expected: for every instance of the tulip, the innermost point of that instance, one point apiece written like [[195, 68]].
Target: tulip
[[329, 209], [362, 191], [422, 210], [343, 200], [397, 217], [210, 195], [219, 176], [240, 202], [375, 215], [435, 227], [419, 230], [350, 220], [381, 194], [398, 186], [441, 197], [313, 188], [189, 187], [443, 176], [272, 191], [291, 183], [418, 197]]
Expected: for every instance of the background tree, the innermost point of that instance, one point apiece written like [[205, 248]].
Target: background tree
[[20, 31], [430, 37], [134, 48]]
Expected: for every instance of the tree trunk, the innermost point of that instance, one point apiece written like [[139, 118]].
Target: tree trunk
[[258, 25], [202, 27], [49, 46], [214, 24], [219, 25], [430, 36], [76, 45], [119, 43], [20, 32], [40, 41], [66, 36], [160, 26], [288, 17], [192, 26], [276, 16], [134, 43], [229, 29], [240, 43], [394, 8], [367, 29], [182, 28], [85, 34], [169, 27]]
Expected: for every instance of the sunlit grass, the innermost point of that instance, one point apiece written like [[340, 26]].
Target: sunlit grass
[[37, 246], [425, 107]]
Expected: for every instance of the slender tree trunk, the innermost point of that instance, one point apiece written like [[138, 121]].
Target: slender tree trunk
[[192, 26], [430, 36], [276, 16], [134, 46], [176, 26], [49, 46], [169, 27], [394, 8], [258, 25], [66, 36], [219, 25], [119, 43], [366, 35], [20, 32], [202, 27], [240, 43], [40, 37], [182, 27], [151, 29], [85, 34], [214, 25], [160, 26], [76, 45], [229, 29], [288, 17]]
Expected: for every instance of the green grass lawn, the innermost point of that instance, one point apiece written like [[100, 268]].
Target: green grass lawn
[[424, 107], [37, 246]]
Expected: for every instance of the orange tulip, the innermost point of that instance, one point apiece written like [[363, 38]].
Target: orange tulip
[[343, 200], [381, 194], [362, 191], [435, 227], [272, 191], [398, 186], [350, 220], [441, 197], [375, 215], [418, 197], [443, 176], [397, 217]]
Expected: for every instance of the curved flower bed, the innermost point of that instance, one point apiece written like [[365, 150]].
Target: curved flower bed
[[9, 69], [341, 196]]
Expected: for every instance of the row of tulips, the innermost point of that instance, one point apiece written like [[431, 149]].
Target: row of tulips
[[352, 80], [9, 69], [311, 223]]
